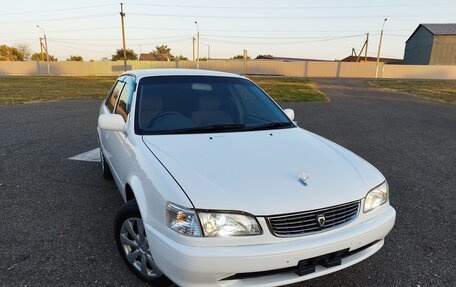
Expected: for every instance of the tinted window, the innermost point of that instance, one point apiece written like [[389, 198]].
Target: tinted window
[[172, 104], [112, 100], [124, 104], [109, 94]]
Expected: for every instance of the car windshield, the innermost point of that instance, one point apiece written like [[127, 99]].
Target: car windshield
[[201, 104]]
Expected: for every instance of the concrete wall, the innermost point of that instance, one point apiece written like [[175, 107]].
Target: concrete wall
[[266, 67], [443, 50], [258, 67], [419, 47], [419, 72]]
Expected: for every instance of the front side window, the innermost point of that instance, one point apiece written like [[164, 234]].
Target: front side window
[[195, 104], [124, 104], [112, 100]]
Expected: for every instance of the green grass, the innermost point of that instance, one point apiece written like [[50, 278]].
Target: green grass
[[20, 89], [443, 91], [23, 89], [286, 89]]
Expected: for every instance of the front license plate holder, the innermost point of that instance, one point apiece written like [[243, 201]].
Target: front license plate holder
[[333, 259]]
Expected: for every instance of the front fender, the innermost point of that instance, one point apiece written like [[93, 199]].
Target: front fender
[[140, 197]]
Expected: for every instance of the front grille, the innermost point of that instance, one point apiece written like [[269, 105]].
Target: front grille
[[301, 223]]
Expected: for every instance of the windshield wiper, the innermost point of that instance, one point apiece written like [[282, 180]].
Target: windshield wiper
[[209, 128], [270, 126]]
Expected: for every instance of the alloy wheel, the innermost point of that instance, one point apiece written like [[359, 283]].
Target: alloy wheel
[[136, 247]]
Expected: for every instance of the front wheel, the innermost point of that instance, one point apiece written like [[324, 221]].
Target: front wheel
[[133, 245]]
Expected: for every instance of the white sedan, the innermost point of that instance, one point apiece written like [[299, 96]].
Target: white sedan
[[222, 188]]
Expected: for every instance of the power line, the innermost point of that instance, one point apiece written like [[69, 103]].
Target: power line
[[117, 39], [58, 10], [77, 48], [226, 30], [206, 35], [83, 29], [284, 43], [396, 35], [111, 45], [279, 17], [264, 31], [229, 7], [60, 19], [213, 30], [272, 37], [289, 7]]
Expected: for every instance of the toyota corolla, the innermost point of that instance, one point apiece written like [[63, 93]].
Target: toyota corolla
[[222, 188]]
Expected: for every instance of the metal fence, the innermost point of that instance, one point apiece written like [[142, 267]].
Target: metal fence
[[258, 67]]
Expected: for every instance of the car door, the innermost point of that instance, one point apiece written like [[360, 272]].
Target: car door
[[106, 136], [119, 142]]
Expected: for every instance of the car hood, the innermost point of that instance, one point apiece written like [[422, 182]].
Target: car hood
[[258, 171]]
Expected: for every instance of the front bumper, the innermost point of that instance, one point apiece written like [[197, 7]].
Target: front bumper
[[208, 266]]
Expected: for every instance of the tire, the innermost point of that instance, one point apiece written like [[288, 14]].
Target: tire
[[133, 246], [106, 170]]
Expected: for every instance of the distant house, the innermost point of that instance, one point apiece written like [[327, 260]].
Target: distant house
[[287, 59], [431, 44], [152, 57], [372, 59]]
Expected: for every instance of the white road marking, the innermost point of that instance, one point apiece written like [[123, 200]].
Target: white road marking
[[91, 155]]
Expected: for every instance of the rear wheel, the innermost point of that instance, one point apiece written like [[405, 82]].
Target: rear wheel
[[106, 171], [133, 245]]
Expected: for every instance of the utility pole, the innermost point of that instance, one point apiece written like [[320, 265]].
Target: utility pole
[[245, 60], [379, 48], [197, 46], [364, 48], [122, 16], [193, 48], [45, 48], [41, 49]]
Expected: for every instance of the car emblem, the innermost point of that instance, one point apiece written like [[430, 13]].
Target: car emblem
[[303, 176], [321, 220]]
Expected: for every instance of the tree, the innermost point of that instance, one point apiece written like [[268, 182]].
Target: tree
[[75, 58], [24, 48], [239, 57], [264, 57], [39, 56], [10, 54], [119, 55], [164, 51], [181, 58], [104, 59]]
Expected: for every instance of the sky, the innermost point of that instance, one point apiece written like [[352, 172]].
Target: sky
[[288, 28]]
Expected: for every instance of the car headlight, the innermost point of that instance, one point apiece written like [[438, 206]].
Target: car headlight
[[376, 197], [228, 224], [182, 220]]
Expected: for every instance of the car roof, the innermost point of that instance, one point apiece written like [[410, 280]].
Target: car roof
[[178, 72]]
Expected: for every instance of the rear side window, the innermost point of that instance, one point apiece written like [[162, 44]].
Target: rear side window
[[124, 104], [115, 94]]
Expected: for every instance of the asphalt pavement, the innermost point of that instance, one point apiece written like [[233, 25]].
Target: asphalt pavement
[[57, 214]]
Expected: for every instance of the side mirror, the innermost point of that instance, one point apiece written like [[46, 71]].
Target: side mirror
[[290, 114], [111, 122]]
